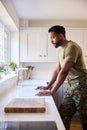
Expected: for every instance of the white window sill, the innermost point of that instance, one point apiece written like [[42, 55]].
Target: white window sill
[[7, 83], [7, 77]]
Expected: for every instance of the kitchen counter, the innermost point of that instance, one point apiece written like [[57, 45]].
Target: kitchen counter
[[28, 91]]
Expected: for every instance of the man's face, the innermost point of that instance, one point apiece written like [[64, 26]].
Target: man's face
[[55, 39]]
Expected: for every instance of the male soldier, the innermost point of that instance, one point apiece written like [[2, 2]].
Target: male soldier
[[71, 66]]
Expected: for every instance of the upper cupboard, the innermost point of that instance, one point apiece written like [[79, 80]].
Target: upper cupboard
[[35, 45]]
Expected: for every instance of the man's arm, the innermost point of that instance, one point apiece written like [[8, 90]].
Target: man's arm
[[55, 74], [62, 76], [59, 80], [53, 79]]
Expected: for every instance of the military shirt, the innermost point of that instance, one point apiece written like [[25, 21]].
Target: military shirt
[[72, 52]]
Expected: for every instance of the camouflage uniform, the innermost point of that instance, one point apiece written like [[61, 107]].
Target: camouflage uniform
[[75, 98]]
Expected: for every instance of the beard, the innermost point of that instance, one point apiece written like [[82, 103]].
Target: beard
[[57, 44]]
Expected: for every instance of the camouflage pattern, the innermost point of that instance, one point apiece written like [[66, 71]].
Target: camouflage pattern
[[74, 100]]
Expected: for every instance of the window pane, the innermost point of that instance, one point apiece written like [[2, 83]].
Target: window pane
[[1, 42], [6, 36], [4, 44]]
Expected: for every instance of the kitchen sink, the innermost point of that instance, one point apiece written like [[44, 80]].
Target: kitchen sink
[[31, 125]]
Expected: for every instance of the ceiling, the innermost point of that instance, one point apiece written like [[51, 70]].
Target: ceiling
[[51, 9]]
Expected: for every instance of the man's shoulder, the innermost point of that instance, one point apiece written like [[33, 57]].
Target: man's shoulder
[[73, 45]]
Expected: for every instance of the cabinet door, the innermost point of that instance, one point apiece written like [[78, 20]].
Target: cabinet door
[[30, 45], [33, 44], [58, 96], [23, 45], [52, 52], [43, 44], [47, 52], [39, 47], [75, 35], [80, 37]]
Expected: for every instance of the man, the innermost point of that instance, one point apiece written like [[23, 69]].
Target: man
[[71, 66]]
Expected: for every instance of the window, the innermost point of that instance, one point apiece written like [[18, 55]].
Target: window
[[4, 44], [1, 43]]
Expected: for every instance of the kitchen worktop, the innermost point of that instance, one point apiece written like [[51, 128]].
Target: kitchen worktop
[[28, 91]]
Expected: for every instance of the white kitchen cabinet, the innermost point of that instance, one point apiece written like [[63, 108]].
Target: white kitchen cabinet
[[79, 35], [47, 52], [35, 46], [23, 45], [38, 41], [52, 52], [58, 96], [29, 39], [43, 43], [75, 35]]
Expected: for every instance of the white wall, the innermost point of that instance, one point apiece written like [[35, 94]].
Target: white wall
[[11, 11]]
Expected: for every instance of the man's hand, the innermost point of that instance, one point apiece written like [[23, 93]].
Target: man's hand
[[44, 93], [42, 88]]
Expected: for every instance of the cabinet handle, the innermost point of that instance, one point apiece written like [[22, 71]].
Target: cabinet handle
[[45, 55], [40, 55]]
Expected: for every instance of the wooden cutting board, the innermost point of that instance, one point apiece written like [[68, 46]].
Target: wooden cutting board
[[26, 105]]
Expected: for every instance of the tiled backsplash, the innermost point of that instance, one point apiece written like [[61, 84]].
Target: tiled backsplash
[[41, 70]]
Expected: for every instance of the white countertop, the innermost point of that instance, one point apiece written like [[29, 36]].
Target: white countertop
[[28, 91]]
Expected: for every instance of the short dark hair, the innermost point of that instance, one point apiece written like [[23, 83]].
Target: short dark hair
[[57, 29]]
